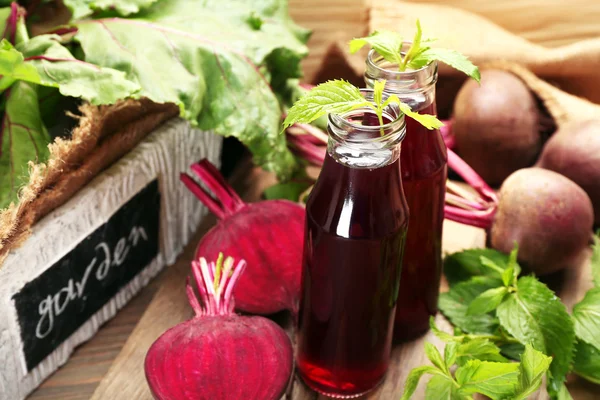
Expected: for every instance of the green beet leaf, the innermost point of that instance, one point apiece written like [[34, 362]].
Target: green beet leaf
[[13, 66], [463, 265], [84, 8], [534, 315], [454, 304], [532, 368], [495, 380], [23, 138], [56, 67], [587, 362], [586, 315], [197, 55]]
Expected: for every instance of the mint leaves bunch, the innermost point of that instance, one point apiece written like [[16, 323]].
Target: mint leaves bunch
[[339, 97], [480, 369], [389, 45], [499, 311]]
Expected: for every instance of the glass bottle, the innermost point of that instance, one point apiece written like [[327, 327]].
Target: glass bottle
[[424, 173], [356, 223]]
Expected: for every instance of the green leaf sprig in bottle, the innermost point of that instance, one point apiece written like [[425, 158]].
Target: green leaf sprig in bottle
[[356, 224], [410, 72]]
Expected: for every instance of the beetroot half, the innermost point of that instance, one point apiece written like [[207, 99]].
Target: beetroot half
[[545, 213], [268, 235], [574, 151], [218, 355]]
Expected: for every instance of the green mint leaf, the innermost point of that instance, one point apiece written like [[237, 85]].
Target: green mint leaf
[[450, 353], [427, 120], [487, 301], [463, 265], [435, 357], [335, 96], [443, 388], [224, 76], [387, 44], [478, 349], [23, 138], [595, 261], [512, 350], [415, 47], [508, 276], [413, 379], [587, 362], [532, 368], [378, 94], [56, 67], [454, 305], [488, 263], [446, 337], [450, 57], [535, 315], [586, 315], [493, 379], [84, 8]]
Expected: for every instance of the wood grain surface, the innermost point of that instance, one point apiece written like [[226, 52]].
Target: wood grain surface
[[87, 375]]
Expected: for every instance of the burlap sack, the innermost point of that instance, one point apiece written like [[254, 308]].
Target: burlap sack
[[104, 134], [561, 76]]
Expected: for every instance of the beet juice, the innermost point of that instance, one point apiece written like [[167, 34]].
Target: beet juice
[[424, 172], [356, 224]]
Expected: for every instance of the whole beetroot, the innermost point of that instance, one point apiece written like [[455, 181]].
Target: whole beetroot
[[547, 214], [496, 125], [574, 151]]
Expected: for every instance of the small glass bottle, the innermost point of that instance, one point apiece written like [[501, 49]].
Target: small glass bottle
[[424, 174], [356, 223]]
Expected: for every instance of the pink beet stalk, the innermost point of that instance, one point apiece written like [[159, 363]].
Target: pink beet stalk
[[465, 208], [446, 132]]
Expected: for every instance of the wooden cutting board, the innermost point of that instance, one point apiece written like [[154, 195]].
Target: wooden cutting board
[[125, 379]]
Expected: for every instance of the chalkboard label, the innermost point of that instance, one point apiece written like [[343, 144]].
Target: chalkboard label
[[52, 306]]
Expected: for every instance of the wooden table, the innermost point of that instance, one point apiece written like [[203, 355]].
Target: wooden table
[[110, 366]]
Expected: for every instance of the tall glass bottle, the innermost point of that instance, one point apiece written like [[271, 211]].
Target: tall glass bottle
[[356, 223], [424, 173]]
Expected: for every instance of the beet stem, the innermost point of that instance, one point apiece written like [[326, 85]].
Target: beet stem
[[446, 132], [215, 283], [463, 203], [202, 195], [306, 150], [212, 178], [471, 177], [477, 219]]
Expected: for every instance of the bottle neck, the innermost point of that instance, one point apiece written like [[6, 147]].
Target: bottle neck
[[357, 140], [414, 87]]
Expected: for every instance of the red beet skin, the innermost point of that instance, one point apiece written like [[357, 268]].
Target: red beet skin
[[270, 234], [220, 358], [267, 234], [548, 215], [574, 151]]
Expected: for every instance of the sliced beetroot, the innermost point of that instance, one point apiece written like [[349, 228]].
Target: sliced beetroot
[[574, 151], [218, 355], [268, 234], [496, 125]]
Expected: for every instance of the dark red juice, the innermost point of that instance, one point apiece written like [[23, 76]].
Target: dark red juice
[[424, 172], [355, 230]]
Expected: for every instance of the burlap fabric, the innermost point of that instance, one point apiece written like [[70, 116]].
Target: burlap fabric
[[104, 134]]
